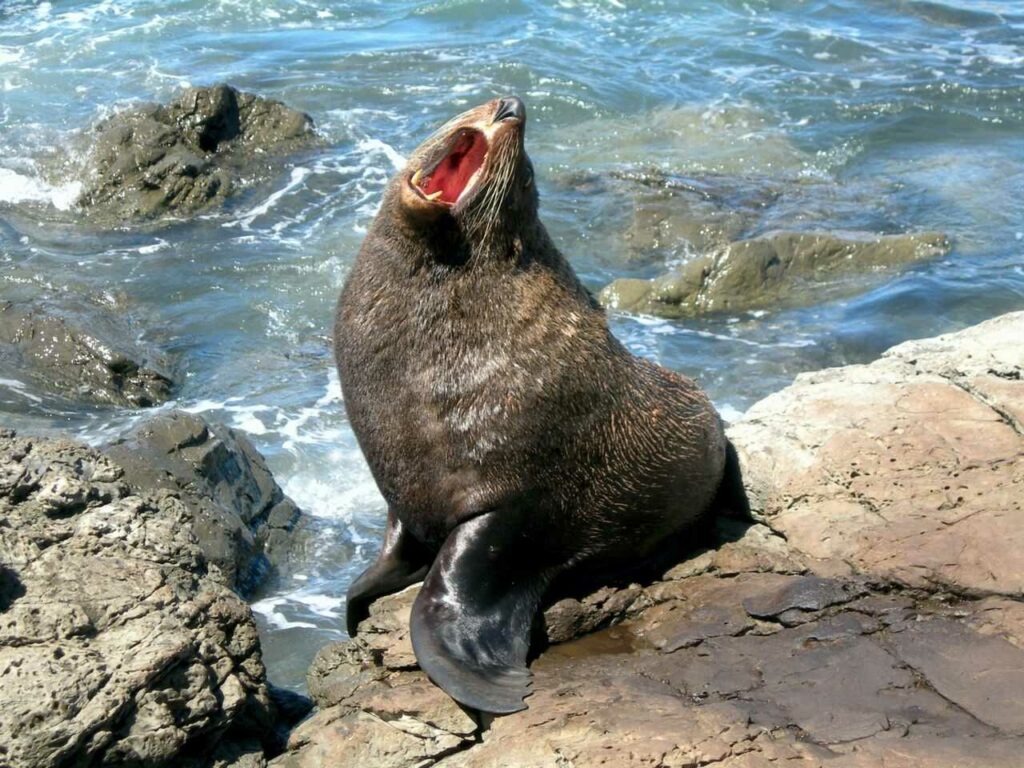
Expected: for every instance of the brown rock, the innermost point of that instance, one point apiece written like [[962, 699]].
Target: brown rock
[[117, 646], [904, 469]]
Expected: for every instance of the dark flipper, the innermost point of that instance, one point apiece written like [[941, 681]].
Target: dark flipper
[[471, 621], [402, 561]]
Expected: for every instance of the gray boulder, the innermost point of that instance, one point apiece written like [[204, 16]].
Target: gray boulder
[[80, 351], [186, 156], [240, 517], [119, 642], [766, 272]]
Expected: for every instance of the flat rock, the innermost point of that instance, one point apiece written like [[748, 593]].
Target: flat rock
[[769, 271], [187, 156], [908, 469], [119, 643], [841, 630], [82, 352]]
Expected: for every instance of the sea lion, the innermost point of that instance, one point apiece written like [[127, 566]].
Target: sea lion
[[512, 436]]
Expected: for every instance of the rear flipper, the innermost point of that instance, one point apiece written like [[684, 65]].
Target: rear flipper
[[402, 561], [471, 621]]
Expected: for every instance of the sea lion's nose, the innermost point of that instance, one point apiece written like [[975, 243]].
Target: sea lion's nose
[[510, 107]]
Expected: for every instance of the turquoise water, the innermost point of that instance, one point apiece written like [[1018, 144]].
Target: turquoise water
[[842, 115]]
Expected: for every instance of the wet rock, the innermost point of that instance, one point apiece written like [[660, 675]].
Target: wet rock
[[80, 351], [838, 644], [779, 269], [242, 520], [119, 643], [186, 156]]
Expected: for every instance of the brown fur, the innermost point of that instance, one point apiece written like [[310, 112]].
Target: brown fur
[[478, 373]]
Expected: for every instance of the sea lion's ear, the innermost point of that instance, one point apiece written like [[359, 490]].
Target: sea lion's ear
[[416, 209]]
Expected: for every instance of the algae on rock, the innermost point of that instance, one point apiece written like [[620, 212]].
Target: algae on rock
[[766, 272]]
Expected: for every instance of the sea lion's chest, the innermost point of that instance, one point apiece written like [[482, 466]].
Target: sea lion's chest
[[446, 386]]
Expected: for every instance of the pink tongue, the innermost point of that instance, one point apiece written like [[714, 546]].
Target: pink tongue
[[455, 171]]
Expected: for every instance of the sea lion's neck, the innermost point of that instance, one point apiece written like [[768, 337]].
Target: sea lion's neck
[[450, 246]]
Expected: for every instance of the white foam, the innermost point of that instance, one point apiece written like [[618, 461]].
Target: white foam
[[316, 603], [246, 219], [730, 414], [159, 245], [241, 417], [998, 53], [10, 54], [267, 608], [20, 388], [376, 145], [332, 393], [16, 188]]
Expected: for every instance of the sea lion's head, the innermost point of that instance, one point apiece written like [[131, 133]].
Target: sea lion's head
[[469, 187]]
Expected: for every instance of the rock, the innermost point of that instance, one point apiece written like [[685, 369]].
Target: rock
[[186, 156], [119, 643], [852, 640], [243, 522], [778, 269], [908, 469], [80, 351]]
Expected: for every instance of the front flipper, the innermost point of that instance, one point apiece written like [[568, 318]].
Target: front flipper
[[471, 621], [402, 561]]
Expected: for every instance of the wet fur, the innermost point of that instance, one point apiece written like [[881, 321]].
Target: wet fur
[[481, 380]]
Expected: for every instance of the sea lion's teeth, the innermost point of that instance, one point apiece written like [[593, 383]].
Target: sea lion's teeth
[[432, 197], [417, 176]]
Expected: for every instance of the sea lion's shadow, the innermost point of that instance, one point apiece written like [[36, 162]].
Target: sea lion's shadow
[[727, 519]]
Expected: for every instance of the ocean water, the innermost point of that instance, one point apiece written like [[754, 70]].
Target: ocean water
[[842, 115]]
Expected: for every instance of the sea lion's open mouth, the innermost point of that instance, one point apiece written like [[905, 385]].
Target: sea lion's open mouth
[[456, 172]]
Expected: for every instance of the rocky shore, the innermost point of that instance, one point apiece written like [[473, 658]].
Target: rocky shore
[[870, 612], [123, 639], [867, 612]]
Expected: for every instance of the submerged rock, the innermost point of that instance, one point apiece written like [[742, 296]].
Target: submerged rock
[[656, 217], [186, 156], [778, 269], [732, 139], [120, 643], [242, 521], [80, 351], [885, 627]]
